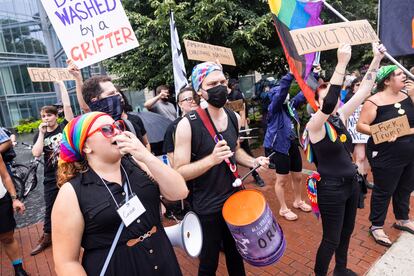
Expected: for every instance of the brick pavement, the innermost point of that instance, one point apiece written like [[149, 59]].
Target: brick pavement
[[303, 237]]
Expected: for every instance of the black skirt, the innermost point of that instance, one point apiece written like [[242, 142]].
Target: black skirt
[[6, 215]]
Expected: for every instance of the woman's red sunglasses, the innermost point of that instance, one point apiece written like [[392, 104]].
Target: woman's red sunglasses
[[108, 130]]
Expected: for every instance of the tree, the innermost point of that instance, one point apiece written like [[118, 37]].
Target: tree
[[244, 26]]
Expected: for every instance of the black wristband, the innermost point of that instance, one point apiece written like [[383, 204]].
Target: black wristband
[[331, 99]]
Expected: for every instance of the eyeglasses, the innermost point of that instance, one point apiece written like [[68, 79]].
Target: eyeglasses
[[108, 130], [188, 100]]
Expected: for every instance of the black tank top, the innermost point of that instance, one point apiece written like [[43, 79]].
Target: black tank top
[[401, 151], [209, 191], [333, 159]]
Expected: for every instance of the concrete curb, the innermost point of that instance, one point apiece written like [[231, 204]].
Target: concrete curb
[[398, 260]]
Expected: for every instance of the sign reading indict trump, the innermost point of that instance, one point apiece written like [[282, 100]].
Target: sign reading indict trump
[[327, 37], [91, 30]]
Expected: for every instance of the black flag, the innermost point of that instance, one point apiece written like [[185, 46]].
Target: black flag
[[396, 23]]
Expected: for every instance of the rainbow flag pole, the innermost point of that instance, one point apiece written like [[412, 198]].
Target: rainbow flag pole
[[297, 14]]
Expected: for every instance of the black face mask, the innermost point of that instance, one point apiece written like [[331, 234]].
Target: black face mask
[[217, 96], [110, 105]]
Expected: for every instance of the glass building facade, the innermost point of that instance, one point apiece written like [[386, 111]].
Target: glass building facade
[[27, 39]]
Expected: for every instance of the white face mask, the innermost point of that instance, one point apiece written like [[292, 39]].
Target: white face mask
[[287, 99]]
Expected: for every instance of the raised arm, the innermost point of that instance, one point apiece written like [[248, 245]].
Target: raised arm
[[171, 183], [330, 101], [76, 73], [67, 231], [366, 84], [67, 108], [149, 104], [279, 93]]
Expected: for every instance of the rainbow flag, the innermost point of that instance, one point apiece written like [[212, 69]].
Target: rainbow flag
[[291, 15]]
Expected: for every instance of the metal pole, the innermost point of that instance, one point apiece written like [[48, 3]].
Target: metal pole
[[386, 54]]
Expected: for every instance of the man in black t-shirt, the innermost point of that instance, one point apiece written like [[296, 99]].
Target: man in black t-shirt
[[199, 159], [47, 142]]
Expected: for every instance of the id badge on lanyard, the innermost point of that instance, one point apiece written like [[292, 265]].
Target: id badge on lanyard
[[130, 209]]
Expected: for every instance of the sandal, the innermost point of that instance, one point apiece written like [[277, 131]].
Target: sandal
[[303, 206], [380, 238], [288, 214], [403, 227]]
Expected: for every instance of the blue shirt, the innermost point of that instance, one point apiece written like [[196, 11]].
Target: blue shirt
[[279, 121], [3, 136]]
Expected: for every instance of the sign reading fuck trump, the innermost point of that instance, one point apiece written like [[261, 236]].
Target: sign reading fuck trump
[[91, 30]]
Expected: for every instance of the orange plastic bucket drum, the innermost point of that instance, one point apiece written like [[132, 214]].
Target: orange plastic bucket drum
[[259, 238]]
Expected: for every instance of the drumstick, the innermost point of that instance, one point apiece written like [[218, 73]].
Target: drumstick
[[249, 129], [238, 181], [248, 137]]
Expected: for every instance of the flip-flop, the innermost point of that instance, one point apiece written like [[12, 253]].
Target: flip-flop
[[403, 228], [380, 238], [302, 206], [288, 214]]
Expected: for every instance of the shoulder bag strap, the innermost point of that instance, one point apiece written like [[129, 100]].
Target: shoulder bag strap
[[209, 126]]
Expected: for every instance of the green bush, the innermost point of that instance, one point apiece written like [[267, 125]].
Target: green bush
[[28, 126]]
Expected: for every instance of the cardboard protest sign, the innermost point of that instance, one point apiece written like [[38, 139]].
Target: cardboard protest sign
[[357, 137], [49, 74], [91, 31], [384, 131], [330, 36], [208, 52], [236, 106]]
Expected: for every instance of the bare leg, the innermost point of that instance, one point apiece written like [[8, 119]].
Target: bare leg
[[10, 245], [281, 183], [297, 185]]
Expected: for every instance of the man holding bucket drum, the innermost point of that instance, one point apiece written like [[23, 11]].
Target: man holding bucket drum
[[206, 152]]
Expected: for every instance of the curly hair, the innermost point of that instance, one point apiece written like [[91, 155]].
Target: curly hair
[[67, 171], [92, 87]]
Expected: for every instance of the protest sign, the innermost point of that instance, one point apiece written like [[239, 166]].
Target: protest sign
[[357, 137], [326, 37], [208, 52], [49, 74], [236, 106], [91, 31], [384, 131]]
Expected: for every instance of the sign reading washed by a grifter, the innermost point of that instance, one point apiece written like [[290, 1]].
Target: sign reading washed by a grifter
[[91, 31], [208, 52], [330, 36], [49, 74]]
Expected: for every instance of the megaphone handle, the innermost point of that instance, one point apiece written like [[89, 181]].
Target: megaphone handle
[[255, 168]]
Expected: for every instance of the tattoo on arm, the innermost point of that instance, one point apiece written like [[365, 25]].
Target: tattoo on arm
[[369, 76]]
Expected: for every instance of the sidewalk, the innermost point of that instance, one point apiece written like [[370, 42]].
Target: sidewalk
[[303, 237]]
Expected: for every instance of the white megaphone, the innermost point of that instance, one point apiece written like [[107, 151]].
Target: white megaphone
[[187, 234]]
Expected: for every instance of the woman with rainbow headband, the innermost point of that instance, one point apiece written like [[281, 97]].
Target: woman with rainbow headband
[[392, 162], [338, 190], [101, 167]]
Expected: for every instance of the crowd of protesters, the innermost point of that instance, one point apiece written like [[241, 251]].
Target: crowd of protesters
[[97, 161]]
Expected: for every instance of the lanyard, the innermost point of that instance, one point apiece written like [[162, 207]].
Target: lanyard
[[216, 137], [125, 188]]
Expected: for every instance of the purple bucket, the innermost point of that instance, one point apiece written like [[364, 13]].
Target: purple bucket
[[259, 238]]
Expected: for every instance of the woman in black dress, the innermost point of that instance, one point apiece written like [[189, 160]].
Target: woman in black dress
[[331, 144], [95, 179], [392, 162]]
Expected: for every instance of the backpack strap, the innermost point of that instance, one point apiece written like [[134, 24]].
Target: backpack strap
[[130, 126]]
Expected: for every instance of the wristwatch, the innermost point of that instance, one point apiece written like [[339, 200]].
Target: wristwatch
[[14, 197]]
